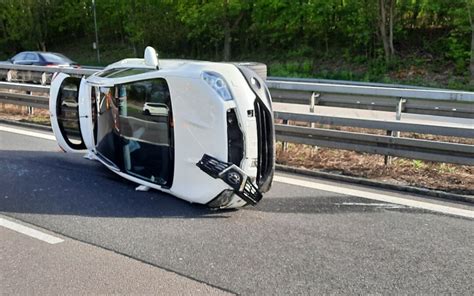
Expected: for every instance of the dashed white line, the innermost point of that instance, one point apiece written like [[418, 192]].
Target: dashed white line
[[377, 196], [30, 232], [27, 133]]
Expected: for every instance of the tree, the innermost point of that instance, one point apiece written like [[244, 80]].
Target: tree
[[214, 21], [16, 20], [470, 10], [386, 22]]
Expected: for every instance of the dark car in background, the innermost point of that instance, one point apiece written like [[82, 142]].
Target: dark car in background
[[39, 58]]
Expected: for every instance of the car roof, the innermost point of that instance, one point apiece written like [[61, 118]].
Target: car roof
[[41, 53]]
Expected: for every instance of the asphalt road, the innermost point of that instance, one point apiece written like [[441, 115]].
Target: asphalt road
[[298, 240], [33, 267]]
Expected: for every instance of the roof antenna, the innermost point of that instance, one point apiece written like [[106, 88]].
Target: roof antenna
[[151, 57]]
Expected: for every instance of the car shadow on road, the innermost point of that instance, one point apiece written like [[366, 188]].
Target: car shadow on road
[[67, 184], [327, 204]]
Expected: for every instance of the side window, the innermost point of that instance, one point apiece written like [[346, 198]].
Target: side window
[[30, 57], [146, 126]]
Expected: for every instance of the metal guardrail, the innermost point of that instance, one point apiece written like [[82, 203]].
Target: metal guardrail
[[419, 101], [378, 144], [397, 99]]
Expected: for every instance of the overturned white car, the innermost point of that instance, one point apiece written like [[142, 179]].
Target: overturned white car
[[201, 131]]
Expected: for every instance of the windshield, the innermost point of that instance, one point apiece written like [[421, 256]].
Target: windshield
[[123, 72], [135, 130]]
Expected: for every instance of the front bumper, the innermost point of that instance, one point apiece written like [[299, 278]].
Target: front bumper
[[260, 135], [233, 176]]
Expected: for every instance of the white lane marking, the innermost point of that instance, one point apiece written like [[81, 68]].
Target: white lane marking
[[379, 205], [378, 197], [27, 133], [30, 232]]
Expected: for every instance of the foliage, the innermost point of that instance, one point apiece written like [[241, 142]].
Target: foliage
[[302, 31]]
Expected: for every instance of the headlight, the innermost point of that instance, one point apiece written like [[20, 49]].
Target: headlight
[[218, 84]]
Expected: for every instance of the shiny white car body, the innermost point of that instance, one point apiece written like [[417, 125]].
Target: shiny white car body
[[199, 122]]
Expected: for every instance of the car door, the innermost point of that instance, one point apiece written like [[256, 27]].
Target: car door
[[71, 111]]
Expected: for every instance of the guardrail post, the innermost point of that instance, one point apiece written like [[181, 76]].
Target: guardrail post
[[29, 108], [9, 76], [44, 78], [396, 134], [314, 100], [284, 145]]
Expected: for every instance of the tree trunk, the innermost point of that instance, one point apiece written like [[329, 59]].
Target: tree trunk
[[227, 41], [416, 12], [135, 52], [383, 29], [386, 20], [42, 46], [471, 66], [227, 31], [391, 16], [471, 21]]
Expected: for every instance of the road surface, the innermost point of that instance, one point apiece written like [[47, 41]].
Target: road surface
[[307, 236]]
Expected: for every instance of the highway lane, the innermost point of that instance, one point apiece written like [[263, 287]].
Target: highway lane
[[298, 240], [33, 267]]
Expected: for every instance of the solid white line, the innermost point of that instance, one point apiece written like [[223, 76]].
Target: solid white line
[[377, 196], [30, 232], [379, 205], [27, 133]]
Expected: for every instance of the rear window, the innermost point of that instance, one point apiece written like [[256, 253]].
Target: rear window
[[56, 58]]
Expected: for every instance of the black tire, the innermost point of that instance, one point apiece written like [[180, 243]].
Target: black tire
[[259, 68]]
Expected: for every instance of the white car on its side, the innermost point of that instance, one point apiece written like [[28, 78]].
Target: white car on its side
[[201, 131]]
